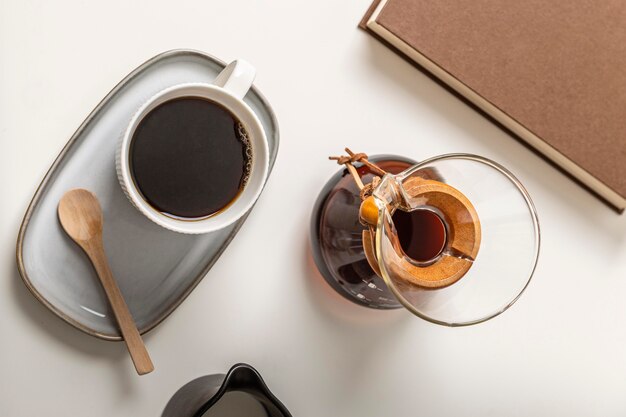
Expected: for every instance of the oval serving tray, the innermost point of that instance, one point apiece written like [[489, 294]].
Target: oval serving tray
[[156, 269]]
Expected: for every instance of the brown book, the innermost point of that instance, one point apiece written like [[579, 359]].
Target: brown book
[[551, 72]]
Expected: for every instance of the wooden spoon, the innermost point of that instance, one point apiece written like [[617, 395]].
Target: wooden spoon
[[81, 217]]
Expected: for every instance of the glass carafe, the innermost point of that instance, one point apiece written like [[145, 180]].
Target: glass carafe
[[454, 239]]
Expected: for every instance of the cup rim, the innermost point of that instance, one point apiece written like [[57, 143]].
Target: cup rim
[[246, 198]]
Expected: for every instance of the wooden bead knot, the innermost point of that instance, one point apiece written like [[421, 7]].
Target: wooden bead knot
[[368, 189], [350, 159]]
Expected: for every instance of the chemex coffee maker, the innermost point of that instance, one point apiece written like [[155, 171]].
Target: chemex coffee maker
[[454, 238]]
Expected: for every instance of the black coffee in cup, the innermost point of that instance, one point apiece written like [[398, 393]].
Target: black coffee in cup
[[190, 158]]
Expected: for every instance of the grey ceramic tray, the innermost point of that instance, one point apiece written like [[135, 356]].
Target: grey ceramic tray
[[155, 268]]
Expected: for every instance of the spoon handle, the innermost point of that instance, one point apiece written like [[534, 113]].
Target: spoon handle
[[134, 343]]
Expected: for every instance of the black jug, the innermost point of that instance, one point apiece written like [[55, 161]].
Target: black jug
[[242, 388]]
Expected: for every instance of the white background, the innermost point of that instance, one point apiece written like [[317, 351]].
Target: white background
[[561, 350]]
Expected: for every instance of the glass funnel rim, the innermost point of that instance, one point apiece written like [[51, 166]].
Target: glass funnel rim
[[537, 237]]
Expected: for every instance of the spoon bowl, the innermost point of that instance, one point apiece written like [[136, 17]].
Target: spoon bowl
[[80, 215]]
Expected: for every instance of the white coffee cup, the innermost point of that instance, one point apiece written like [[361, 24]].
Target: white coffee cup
[[228, 90]]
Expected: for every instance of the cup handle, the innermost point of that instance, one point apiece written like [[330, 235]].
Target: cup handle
[[236, 78]]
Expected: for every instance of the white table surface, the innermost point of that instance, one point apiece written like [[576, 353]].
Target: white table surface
[[561, 350]]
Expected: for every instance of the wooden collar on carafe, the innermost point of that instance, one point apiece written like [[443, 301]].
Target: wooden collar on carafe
[[463, 227]]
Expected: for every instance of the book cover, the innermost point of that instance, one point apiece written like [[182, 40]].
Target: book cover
[[551, 73]]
